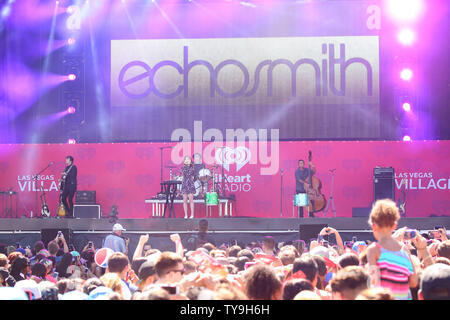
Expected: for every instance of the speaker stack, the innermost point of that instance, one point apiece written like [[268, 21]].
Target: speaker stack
[[86, 206], [310, 231], [383, 183]]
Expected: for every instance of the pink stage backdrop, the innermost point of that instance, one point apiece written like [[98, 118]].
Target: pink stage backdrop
[[127, 174]]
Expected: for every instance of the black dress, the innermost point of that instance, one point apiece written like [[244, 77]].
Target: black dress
[[188, 187]]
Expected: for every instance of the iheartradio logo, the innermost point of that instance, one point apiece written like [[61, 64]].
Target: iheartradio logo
[[228, 156], [233, 147]]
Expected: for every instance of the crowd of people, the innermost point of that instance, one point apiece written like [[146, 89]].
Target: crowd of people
[[401, 264]]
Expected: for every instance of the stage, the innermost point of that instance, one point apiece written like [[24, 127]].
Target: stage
[[242, 229]]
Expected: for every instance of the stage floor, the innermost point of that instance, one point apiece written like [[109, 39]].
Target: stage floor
[[230, 224], [225, 230]]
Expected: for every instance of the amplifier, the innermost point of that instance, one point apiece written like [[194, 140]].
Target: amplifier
[[379, 172], [361, 212], [85, 197], [383, 183], [90, 211]]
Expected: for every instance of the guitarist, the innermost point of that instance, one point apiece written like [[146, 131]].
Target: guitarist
[[69, 185], [302, 175]]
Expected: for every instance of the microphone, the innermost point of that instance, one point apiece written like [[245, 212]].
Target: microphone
[[51, 163], [168, 147]]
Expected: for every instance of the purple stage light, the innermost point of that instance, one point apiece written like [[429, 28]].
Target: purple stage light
[[406, 74], [71, 141], [406, 138], [71, 77], [71, 110], [404, 10], [406, 106], [406, 37]]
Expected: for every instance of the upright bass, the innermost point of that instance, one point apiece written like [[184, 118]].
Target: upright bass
[[313, 187]]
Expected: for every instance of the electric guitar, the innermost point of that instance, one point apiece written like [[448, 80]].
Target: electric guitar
[[45, 212], [402, 201], [61, 209]]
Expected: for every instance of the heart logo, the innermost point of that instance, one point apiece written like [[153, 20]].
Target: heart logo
[[240, 156]]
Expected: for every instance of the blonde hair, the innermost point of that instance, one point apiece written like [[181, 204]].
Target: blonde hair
[[112, 281], [375, 294], [384, 213]]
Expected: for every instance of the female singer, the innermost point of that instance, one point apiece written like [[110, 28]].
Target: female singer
[[188, 187]]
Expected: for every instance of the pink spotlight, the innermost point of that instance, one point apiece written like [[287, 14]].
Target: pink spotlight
[[406, 74], [406, 37], [405, 10], [71, 77], [71, 141], [71, 41], [406, 138], [71, 110], [406, 106]]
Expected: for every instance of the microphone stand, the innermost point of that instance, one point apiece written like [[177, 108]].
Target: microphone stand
[[37, 190], [162, 149], [333, 208], [281, 195]]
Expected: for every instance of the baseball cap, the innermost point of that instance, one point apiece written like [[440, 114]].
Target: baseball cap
[[30, 287], [118, 227], [325, 254], [146, 270], [100, 293], [21, 250]]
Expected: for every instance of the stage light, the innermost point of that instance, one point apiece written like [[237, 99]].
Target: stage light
[[71, 110], [71, 9], [406, 74], [404, 10], [71, 41], [71, 77], [71, 141], [406, 37], [406, 138], [406, 106]]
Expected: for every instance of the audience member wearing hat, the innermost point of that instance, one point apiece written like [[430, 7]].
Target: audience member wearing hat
[[115, 241], [147, 274]]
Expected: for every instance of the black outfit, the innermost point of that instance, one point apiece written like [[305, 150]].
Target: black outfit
[[70, 187], [300, 187], [197, 168]]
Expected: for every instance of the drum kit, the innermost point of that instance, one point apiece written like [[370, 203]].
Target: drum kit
[[205, 185]]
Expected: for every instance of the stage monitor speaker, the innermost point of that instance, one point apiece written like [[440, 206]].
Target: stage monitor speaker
[[383, 184], [310, 231], [48, 235], [85, 197], [361, 212], [86, 211]]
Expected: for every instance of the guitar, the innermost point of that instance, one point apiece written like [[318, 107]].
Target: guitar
[[402, 201], [61, 211], [45, 212]]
